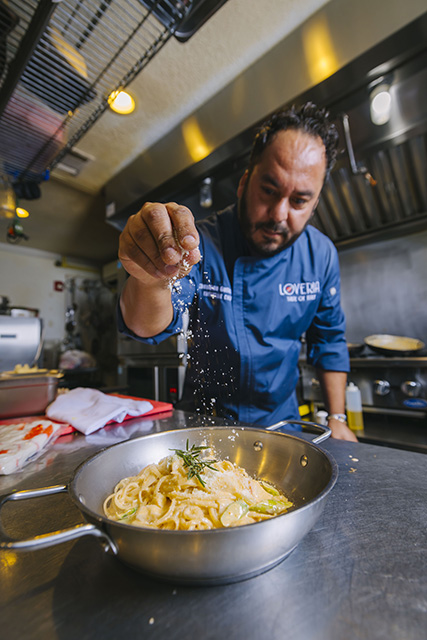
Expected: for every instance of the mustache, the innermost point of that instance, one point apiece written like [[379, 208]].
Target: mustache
[[274, 227]]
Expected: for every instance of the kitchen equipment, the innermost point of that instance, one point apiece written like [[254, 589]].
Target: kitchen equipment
[[394, 397], [57, 74], [27, 394], [355, 348], [154, 371], [389, 345], [21, 341], [30, 133], [304, 472], [72, 58]]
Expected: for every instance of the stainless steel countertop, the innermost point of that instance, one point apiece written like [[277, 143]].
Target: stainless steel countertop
[[360, 573]]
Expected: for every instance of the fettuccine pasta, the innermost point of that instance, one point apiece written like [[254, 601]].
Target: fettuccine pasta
[[171, 495]]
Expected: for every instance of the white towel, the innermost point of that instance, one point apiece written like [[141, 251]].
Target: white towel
[[24, 441], [88, 410]]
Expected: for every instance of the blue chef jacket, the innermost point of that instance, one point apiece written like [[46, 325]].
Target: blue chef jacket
[[246, 317]]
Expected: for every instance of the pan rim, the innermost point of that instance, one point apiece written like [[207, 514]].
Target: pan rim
[[370, 342], [103, 521]]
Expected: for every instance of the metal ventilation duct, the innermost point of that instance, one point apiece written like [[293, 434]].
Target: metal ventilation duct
[[351, 208], [59, 62]]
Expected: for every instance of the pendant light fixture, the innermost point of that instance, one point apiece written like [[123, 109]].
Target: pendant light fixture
[[121, 102], [380, 103]]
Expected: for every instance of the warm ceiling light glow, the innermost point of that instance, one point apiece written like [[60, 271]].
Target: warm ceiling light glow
[[22, 213], [380, 106], [194, 139], [7, 197], [319, 49], [121, 102]]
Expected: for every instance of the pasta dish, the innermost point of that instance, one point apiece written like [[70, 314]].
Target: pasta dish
[[185, 491]]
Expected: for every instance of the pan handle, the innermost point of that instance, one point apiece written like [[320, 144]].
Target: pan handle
[[49, 539], [325, 432]]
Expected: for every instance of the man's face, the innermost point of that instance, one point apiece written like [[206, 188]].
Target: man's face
[[278, 197]]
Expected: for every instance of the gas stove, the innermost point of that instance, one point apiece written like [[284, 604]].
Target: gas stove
[[394, 397], [391, 382]]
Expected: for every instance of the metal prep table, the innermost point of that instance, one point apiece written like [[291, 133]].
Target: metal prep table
[[360, 573]]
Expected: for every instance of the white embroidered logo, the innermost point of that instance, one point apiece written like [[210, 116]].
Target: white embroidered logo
[[300, 291]]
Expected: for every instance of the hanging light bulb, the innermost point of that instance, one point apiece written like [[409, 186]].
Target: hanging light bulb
[[22, 213], [380, 104], [121, 102]]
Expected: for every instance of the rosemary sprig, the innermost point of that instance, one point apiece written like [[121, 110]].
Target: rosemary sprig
[[191, 460]]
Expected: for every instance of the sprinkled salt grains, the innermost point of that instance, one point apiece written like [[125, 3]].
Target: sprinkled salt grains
[[206, 405], [184, 266]]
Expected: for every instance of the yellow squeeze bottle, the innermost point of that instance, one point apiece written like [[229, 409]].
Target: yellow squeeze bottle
[[353, 402]]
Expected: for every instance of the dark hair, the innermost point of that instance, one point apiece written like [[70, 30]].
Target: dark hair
[[308, 118]]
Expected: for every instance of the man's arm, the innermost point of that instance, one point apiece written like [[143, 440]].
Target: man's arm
[[157, 245], [333, 384], [146, 310]]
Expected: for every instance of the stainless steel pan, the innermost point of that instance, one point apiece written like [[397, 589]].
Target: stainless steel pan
[[388, 345], [305, 473]]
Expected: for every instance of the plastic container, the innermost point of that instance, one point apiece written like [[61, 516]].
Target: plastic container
[[353, 402]]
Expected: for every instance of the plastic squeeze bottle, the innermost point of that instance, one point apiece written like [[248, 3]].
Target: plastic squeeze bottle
[[353, 402]]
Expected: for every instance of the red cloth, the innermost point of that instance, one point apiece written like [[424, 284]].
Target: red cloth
[[158, 407]]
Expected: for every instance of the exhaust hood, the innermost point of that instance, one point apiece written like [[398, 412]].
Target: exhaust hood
[[378, 186], [61, 59]]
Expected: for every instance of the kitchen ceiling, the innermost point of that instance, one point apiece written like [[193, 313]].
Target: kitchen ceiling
[[69, 218]]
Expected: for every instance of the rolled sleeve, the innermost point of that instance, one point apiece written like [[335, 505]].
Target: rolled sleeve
[[174, 328], [182, 295]]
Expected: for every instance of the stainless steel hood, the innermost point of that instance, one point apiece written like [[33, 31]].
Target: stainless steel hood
[[352, 209]]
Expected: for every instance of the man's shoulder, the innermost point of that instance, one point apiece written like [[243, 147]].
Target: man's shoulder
[[216, 220], [315, 234], [318, 240]]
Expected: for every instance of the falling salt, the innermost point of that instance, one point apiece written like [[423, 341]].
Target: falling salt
[[212, 368]]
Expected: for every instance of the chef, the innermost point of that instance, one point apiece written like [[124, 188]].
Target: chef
[[254, 279]]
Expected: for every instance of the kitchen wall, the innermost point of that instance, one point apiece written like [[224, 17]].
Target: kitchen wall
[[32, 278], [384, 288]]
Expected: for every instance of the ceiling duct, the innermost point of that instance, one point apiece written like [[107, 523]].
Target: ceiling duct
[[74, 161], [59, 62]]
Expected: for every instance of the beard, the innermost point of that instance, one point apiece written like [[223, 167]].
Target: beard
[[265, 248]]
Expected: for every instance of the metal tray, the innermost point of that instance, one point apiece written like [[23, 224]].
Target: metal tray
[[26, 395]]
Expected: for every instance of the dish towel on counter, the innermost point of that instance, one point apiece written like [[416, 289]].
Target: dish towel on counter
[[23, 441], [88, 410]]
